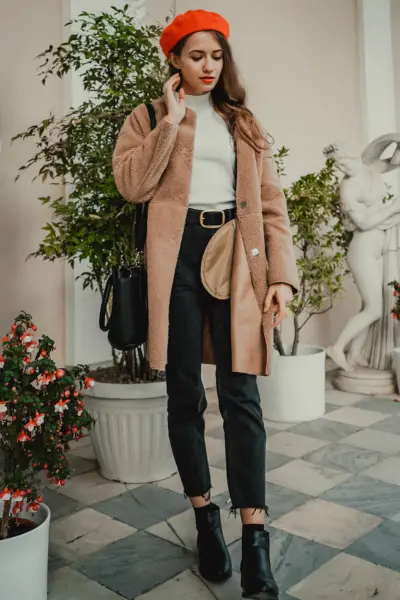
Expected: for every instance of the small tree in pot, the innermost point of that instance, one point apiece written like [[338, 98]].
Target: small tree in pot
[[322, 241], [120, 67], [295, 390]]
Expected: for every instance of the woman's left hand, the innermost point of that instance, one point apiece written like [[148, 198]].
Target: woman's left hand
[[279, 295]]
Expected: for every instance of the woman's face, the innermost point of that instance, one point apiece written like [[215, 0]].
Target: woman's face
[[200, 63]]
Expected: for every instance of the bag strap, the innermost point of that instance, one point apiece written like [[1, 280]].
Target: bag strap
[[152, 115], [104, 303], [143, 209]]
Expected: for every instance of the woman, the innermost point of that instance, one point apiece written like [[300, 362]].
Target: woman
[[207, 163], [373, 254]]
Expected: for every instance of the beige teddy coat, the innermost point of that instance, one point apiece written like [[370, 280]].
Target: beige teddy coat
[[155, 166]]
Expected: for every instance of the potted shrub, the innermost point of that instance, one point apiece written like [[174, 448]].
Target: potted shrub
[[41, 411], [120, 66], [295, 390]]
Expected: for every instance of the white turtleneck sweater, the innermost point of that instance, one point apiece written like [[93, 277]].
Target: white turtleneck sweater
[[213, 169]]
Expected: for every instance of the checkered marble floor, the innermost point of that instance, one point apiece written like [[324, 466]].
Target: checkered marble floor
[[333, 490]]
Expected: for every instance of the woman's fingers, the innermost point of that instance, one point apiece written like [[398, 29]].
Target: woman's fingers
[[281, 311], [172, 83], [181, 95], [176, 81], [269, 299]]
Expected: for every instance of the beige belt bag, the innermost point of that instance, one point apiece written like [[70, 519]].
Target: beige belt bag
[[216, 264]]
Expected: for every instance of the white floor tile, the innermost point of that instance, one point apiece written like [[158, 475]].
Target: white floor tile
[[327, 523], [349, 578]]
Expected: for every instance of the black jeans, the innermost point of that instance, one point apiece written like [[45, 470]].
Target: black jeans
[[239, 400]]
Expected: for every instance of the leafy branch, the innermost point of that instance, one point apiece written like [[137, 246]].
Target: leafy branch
[[321, 241]]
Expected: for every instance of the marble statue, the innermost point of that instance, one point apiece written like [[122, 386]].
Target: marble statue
[[373, 214]]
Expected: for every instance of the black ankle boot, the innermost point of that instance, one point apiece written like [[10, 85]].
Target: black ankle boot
[[258, 582], [214, 559]]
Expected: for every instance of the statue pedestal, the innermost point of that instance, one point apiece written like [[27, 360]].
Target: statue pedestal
[[362, 380]]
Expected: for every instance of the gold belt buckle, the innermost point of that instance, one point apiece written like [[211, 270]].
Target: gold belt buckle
[[212, 226]]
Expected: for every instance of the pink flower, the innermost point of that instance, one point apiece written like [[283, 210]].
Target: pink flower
[[89, 382], [61, 405], [31, 425], [42, 381], [3, 410], [17, 508], [18, 495], [38, 383], [23, 437], [31, 346], [1, 362], [39, 419], [33, 506], [5, 495]]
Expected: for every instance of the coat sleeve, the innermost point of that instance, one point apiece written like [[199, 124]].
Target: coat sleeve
[[140, 158], [278, 236]]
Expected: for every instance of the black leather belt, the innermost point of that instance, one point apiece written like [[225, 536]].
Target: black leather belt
[[210, 219]]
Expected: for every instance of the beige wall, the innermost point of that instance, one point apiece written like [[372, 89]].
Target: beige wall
[[299, 60], [26, 28], [396, 54]]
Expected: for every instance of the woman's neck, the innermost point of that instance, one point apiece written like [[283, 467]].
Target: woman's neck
[[198, 102]]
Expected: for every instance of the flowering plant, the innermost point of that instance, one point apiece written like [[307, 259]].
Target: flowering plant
[[41, 411], [396, 293]]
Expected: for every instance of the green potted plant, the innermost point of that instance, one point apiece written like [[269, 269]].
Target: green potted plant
[[120, 67], [295, 391], [41, 412]]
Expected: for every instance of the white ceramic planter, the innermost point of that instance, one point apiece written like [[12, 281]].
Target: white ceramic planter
[[208, 376], [130, 436], [396, 366], [295, 390], [23, 560]]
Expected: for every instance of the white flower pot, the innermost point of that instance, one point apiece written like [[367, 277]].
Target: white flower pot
[[295, 390], [396, 366], [24, 559], [130, 436], [208, 376]]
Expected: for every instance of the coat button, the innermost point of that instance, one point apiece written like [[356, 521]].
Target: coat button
[[255, 252]]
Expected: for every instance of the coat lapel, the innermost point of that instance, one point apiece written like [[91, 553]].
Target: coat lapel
[[246, 173]]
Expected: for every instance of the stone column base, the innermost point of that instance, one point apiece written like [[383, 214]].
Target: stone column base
[[362, 380]]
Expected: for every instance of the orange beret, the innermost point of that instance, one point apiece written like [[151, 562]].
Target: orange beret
[[191, 22]]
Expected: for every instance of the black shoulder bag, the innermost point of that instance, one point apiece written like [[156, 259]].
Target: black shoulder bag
[[127, 325]]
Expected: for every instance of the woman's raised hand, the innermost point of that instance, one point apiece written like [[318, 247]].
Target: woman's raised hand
[[176, 107]]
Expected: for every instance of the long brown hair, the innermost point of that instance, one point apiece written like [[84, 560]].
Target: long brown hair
[[229, 97]]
